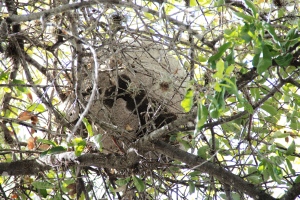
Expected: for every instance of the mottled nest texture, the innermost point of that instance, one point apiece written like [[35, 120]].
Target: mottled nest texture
[[139, 89]]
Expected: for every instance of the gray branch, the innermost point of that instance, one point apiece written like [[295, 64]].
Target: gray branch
[[196, 162]]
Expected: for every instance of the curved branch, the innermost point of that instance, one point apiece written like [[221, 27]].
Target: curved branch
[[195, 162]]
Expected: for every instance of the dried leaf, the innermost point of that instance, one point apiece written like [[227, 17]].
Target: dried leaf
[[30, 143], [29, 96], [23, 116], [14, 196], [286, 139], [128, 128], [72, 188], [34, 119], [44, 147]]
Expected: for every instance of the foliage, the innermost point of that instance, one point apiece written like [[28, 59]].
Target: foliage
[[235, 136]]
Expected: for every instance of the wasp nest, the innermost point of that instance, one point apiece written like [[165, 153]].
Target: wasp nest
[[140, 88]]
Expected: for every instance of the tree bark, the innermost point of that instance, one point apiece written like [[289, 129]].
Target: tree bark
[[22, 167], [197, 163]]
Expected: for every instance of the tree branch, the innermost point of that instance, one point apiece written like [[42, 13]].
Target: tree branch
[[195, 162], [22, 167], [292, 193]]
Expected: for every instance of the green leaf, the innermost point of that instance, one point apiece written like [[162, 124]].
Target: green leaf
[[232, 89], [42, 185], [217, 104], [285, 60], [255, 59], [247, 18], [252, 7], [290, 166], [139, 183], [297, 180], [229, 70], [265, 62], [248, 107], [123, 181], [290, 39], [271, 30], [54, 150], [203, 152], [47, 142], [184, 143], [4, 76], [43, 192], [201, 116], [292, 34], [193, 3], [255, 92], [191, 187], [269, 108], [36, 107], [194, 174], [291, 149], [79, 145], [220, 52], [88, 127], [230, 58], [220, 69], [244, 33], [255, 179], [20, 82], [279, 134], [220, 2], [187, 102]]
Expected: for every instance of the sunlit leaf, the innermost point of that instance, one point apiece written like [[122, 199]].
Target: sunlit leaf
[[220, 69], [229, 70], [36, 107], [4, 76], [187, 102], [79, 145], [193, 3]]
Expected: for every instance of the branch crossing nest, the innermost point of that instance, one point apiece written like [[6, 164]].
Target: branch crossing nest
[[140, 88]]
